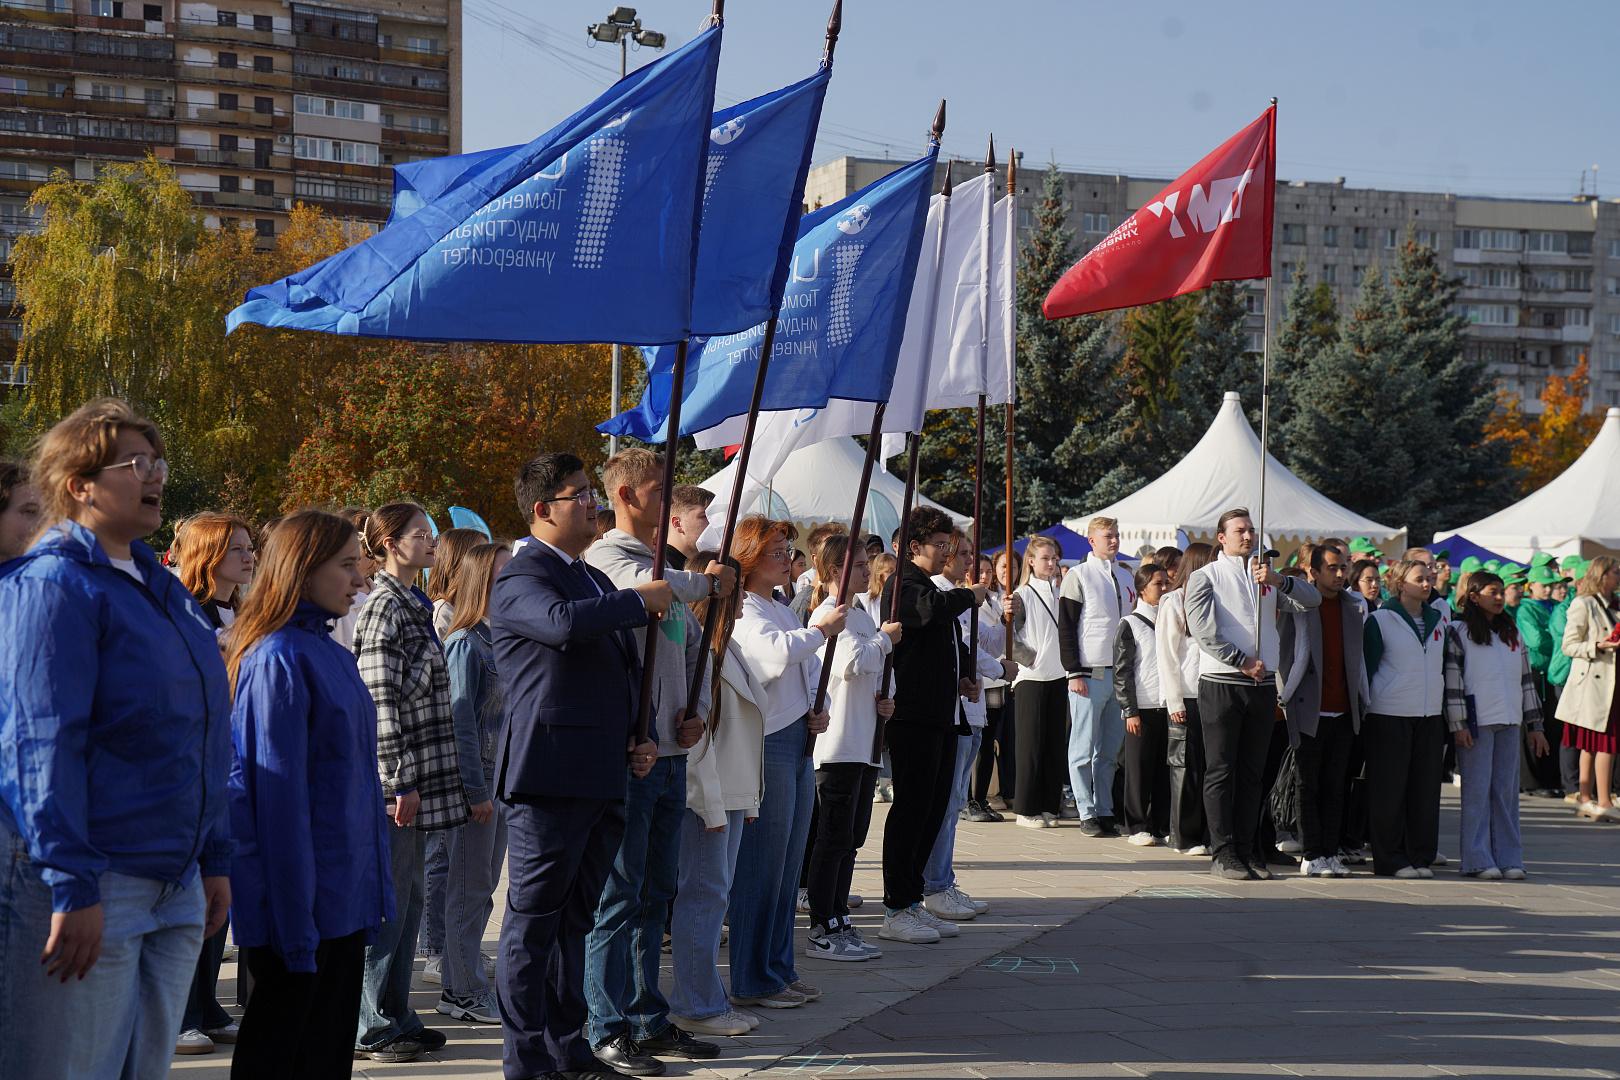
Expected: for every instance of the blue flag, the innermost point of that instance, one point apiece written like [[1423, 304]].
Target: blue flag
[[843, 315], [759, 156], [588, 234]]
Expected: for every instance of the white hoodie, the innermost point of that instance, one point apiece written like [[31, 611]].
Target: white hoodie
[[857, 669]]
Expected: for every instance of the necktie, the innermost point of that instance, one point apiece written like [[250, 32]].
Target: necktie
[[578, 567]]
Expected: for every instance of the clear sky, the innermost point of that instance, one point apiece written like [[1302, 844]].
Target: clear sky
[[1480, 98]]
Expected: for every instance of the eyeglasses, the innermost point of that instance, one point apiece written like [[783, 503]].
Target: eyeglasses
[[780, 556], [416, 536], [144, 468], [584, 498]]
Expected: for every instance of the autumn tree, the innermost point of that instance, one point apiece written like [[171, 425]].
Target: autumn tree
[[1541, 446]]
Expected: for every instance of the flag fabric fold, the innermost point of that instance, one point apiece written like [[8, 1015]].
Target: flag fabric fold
[[1212, 224], [586, 234], [842, 318]]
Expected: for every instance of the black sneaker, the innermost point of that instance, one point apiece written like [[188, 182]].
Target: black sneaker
[[1109, 829], [1092, 827], [1229, 866], [1278, 857], [673, 1042], [1257, 867], [394, 1051], [622, 1054], [977, 811]]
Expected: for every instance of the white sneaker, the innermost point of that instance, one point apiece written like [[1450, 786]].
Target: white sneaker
[[1490, 873], [945, 906], [1198, 849], [904, 925], [1321, 867], [854, 935], [1032, 821], [1424, 872], [726, 1023], [832, 945], [433, 971], [940, 926], [1142, 839], [1049, 817], [979, 906], [226, 1034], [753, 1021], [192, 1041], [853, 901], [1291, 846], [1514, 873], [1439, 859], [1406, 873], [804, 902], [475, 1008], [1339, 869]]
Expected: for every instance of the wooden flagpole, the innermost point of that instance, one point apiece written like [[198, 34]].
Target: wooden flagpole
[[649, 649], [873, 442], [711, 619]]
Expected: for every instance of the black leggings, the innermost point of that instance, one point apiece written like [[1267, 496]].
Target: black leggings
[[996, 754], [302, 1023]]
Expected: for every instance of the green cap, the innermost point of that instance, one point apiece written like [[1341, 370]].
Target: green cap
[[1541, 558], [1361, 543], [1511, 573], [1443, 555], [1572, 562], [1493, 565], [1544, 575], [1470, 564]]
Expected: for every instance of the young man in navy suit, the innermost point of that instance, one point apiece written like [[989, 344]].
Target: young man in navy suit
[[571, 674]]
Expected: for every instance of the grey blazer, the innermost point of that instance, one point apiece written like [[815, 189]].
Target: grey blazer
[[1303, 706]]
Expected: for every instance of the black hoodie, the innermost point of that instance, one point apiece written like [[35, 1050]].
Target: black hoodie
[[931, 656]]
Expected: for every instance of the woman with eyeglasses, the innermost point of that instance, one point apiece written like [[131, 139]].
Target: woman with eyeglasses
[[403, 666], [115, 715]]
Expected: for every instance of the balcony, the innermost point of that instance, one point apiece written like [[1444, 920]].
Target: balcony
[[240, 200], [334, 46], [33, 11], [341, 168], [408, 137], [199, 30], [125, 26], [365, 211], [412, 56], [89, 63], [379, 92], [202, 114], [50, 61], [14, 185], [191, 71], [234, 159], [116, 107]]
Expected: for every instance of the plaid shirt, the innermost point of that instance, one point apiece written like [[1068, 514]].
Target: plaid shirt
[[403, 667], [1455, 702]]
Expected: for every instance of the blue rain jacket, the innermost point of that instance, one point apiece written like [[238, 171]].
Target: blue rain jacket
[[114, 720], [306, 805]]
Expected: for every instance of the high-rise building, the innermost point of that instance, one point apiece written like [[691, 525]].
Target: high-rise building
[[258, 103], [1540, 277]]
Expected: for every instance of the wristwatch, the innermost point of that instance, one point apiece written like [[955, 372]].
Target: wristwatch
[[714, 585]]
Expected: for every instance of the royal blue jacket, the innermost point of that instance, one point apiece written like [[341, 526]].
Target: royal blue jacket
[[306, 805], [114, 720]]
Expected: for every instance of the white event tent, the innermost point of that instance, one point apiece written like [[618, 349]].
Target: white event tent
[[1576, 514], [1223, 472], [817, 483]]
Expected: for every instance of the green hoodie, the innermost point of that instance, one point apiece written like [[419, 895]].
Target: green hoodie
[[1558, 666]]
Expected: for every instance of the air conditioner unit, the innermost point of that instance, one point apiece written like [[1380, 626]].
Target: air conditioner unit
[[283, 140]]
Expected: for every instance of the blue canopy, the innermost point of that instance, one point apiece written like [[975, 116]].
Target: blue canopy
[[586, 234], [1074, 546], [1461, 547]]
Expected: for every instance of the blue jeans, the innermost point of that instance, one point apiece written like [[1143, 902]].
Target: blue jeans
[[385, 995], [626, 944], [122, 1018], [765, 889], [939, 874], [475, 855], [1490, 799], [708, 861], [437, 862], [1096, 733]]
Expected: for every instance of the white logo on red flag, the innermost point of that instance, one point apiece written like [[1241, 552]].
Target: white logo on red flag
[[1192, 233]]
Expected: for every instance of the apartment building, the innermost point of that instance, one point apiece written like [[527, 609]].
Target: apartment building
[[1540, 278], [258, 103]]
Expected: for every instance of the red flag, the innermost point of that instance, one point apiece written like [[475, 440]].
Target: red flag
[[1212, 224]]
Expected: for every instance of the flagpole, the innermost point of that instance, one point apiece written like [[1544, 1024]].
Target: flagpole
[[1260, 541], [984, 367], [650, 647], [1012, 367], [873, 442], [711, 618]]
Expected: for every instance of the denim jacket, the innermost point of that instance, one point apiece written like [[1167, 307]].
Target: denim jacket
[[478, 706]]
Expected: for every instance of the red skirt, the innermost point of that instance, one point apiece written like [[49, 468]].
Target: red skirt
[[1597, 742]]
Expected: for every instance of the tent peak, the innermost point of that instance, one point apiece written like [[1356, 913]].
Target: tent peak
[[1233, 395], [1613, 413]]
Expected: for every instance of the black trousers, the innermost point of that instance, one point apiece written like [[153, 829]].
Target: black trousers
[[1404, 755], [1237, 722], [1544, 772], [1041, 746], [1265, 835], [996, 755], [843, 813], [1185, 754], [558, 854], [1324, 776], [1353, 830], [1147, 775], [302, 1023], [922, 761], [203, 1010]]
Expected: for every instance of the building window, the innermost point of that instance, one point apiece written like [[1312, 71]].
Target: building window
[[1580, 243], [264, 227], [1253, 303], [1547, 280], [1330, 236], [1546, 243], [228, 143], [227, 59], [264, 187], [1357, 273], [264, 106], [1489, 277], [1490, 314], [227, 18], [1614, 249], [339, 191], [1614, 325], [352, 153], [1611, 362], [228, 102], [264, 24], [265, 64], [1293, 234], [1330, 274], [430, 125], [106, 92], [107, 9], [1425, 237], [1026, 220], [230, 183], [1392, 239], [423, 45], [1578, 280], [1358, 236], [1612, 397], [1578, 316], [152, 12], [1487, 239], [154, 96], [314, 106]]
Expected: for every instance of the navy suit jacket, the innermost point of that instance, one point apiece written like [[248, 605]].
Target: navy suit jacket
[[571, 675]]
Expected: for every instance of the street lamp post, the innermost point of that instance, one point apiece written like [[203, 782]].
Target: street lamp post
[[621, 26]]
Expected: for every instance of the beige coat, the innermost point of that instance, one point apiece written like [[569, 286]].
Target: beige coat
[[1590, 690], [726, 770]]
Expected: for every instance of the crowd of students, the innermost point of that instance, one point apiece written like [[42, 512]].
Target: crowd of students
[[284, 738]]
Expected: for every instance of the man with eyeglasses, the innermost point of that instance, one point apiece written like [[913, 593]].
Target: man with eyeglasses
[[571, 673]]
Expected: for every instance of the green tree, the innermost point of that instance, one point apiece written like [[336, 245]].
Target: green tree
[[1310, 324], [1157, 337], [1363, 425]]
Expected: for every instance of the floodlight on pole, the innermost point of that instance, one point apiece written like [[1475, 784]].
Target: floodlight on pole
[[621, 26]]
